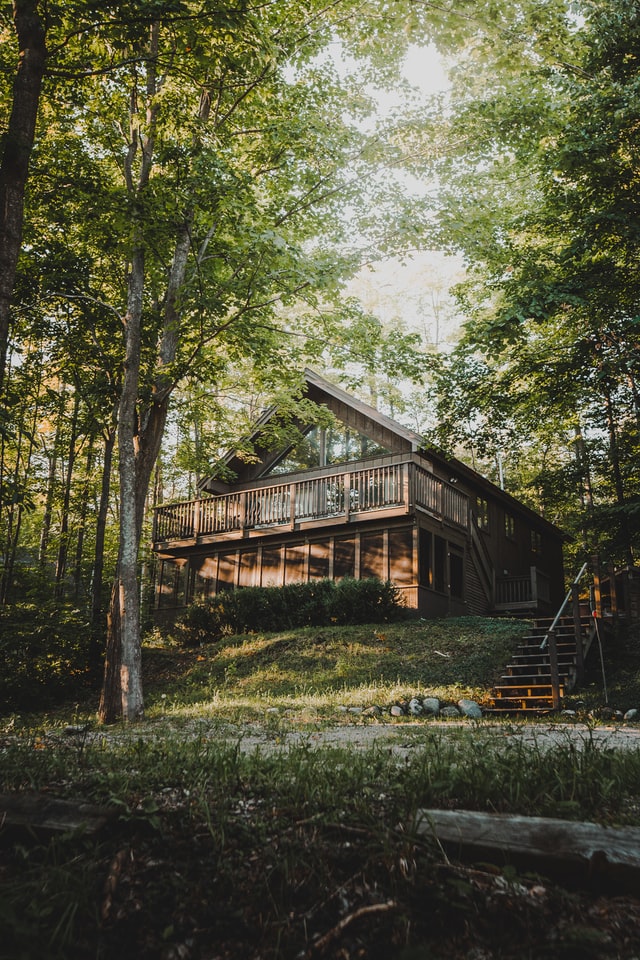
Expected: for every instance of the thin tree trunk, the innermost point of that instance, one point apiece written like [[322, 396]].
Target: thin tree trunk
[[82, 524], [140, 432], [63, 545], [20, 476], [45, 530], [97, 574], [17, 145], [122, 688]]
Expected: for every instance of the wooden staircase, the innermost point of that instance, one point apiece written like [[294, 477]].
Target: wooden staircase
[[526, 686]]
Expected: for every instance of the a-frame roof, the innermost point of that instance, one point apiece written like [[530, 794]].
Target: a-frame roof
[[353, 412], [388, 432]]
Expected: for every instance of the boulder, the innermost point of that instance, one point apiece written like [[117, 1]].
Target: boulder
[[431, 705], [372, 711], [631, 715], [469, 708], [450, 711], [415, 707], [396, 710]]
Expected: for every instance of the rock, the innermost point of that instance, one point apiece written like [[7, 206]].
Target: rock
[[631, 715], [415, 707], [372, 711], [273, 710], [606, 713], [355, 710], [396, 710], [469, 708], [450, 711], [568, 713], [431, 705], [342, 709]]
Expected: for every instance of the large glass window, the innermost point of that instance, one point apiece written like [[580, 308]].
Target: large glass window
[[322, 447]]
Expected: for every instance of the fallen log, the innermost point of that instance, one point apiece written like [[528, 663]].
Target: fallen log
[[40, 814], [583, 852]]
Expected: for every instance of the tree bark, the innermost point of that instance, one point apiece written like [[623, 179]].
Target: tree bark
[[97, 633], [63, 545], [140, 431], [18, 143], [122, 688]]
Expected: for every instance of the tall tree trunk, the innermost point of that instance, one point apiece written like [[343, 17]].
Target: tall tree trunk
[[140, 427], [16, 152], [82, 523], [63, 545], [20, 478], [97, 574], [122, 688], [45, 529]]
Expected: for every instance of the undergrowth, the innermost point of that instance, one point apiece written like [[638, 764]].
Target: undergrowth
[[213, 851]]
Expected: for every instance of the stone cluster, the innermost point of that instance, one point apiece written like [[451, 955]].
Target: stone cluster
[[420, 707]]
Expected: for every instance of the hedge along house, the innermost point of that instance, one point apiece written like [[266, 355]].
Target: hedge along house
[[360, 498]]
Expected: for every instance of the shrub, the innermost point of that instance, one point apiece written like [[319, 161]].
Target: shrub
[[317, 603], [45, 651]]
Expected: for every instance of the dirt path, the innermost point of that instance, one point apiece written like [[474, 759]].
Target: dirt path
[[400, 737]]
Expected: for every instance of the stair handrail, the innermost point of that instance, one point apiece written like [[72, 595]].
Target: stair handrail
[[563, 605]]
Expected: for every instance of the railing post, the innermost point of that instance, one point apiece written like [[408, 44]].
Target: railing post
[[553, 663], [292, 506], [347, 495], [534, 585], [577, 632], [243, 510], [196, 519], [597, 590]]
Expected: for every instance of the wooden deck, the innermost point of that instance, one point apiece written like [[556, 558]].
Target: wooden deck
[[389, 488]]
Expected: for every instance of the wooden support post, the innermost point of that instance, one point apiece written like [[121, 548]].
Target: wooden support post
[[197, 506], [553, 663], [577, 632], [613, 590], [597, 589], [347, 495]]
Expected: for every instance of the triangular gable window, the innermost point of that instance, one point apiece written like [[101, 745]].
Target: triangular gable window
[[325, 447]]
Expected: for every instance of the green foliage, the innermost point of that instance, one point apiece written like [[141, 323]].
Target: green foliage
[[259, 841], [295, 605], [45, 654]]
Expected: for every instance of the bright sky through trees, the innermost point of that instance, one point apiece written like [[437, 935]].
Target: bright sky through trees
[[414, 291]]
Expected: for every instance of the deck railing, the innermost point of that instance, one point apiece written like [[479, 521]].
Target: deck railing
[[339, 494], [513, 593]]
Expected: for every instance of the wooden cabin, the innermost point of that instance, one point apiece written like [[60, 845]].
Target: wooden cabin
[[359, 498]]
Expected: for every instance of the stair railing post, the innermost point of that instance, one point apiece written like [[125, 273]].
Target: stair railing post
[[577, 632], [553, 663]]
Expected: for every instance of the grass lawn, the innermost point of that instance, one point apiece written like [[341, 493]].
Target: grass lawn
[[217, 852]]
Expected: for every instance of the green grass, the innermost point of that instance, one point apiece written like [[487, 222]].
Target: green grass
[[219, 850], [314, 670]]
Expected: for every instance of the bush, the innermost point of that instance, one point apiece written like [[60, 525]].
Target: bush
[[44, 649], [268, 609]]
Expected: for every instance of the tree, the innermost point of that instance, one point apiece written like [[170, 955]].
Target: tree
[[544, 206], [17, 143], [198, 221]]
